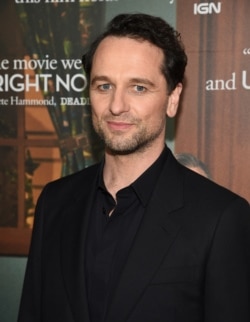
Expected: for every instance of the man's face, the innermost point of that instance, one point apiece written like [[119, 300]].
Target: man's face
[[128, 94]]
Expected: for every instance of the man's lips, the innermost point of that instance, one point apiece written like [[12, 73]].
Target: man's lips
[[119, 126]]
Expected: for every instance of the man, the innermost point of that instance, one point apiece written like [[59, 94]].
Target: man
[[138, 237]]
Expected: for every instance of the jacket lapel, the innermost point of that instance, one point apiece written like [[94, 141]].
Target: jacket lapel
[[73, 236], [153, 240]]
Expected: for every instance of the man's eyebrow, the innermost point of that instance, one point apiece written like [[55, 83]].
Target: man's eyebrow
[[143, 81], [133, 80], [100, 79]]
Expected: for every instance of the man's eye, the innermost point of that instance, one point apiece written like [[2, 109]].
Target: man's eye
[[104, 87], [139, 88]]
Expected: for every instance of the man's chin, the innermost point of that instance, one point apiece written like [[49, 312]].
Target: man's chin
[[124, 149], [113, 151]]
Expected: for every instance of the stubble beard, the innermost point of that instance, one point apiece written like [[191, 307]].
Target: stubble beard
[[118, 143]]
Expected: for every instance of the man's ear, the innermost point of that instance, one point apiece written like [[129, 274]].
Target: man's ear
[[173, 101]]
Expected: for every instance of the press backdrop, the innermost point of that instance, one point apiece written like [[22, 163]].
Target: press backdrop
[[45, 127]]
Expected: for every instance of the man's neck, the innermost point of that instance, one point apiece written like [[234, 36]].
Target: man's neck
[[122, 170]]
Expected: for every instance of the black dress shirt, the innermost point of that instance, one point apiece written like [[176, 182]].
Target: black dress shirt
[[111, 236]]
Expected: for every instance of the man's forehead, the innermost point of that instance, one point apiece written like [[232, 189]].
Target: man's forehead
[[134, 41]]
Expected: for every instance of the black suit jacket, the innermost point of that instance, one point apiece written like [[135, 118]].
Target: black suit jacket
[[190, 260]]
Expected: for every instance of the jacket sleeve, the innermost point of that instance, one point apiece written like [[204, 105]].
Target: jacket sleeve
[[30, 305], [227, 282]]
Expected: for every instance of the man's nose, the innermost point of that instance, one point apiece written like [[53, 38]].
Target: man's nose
[[118, 103]]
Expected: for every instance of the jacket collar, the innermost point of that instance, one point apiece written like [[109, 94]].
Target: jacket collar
[[73, 236]]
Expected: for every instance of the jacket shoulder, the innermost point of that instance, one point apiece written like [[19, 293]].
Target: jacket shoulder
[[73, 184], [206, 191]]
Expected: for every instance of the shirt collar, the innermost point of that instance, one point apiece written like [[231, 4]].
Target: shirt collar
[[145, 183]]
